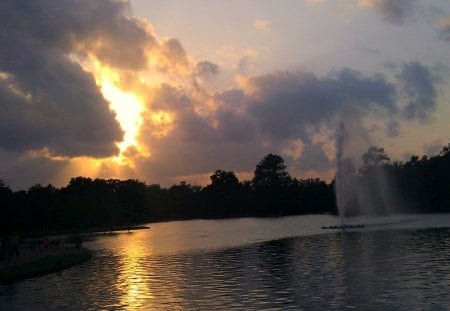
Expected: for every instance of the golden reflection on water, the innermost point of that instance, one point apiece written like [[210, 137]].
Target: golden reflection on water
[[133, 273]]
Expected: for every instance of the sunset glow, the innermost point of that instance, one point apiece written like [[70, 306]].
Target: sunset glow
[[139, 89], [186, 155], [163, 122], [128, 112]]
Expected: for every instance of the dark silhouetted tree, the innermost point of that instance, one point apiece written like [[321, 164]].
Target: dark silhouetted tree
[[9, 215], [271, 184], [224, 196], [271, 173], [224, 180], [375, 156]]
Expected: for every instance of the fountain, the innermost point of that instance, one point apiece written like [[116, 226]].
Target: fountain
[[338, 184]]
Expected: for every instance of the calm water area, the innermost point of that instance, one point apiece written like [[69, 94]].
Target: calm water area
[[399, 262]]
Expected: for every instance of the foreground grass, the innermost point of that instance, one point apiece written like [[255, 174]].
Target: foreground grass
[[48, 264]]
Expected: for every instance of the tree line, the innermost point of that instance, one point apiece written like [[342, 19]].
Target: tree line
[[420, 184]]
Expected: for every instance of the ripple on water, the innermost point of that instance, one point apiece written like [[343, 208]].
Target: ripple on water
[[387, 270]]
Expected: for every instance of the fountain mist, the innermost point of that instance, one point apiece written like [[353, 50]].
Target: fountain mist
[[338, 184]]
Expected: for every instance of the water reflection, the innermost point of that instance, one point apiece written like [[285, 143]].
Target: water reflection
[[373, 270], [132, 280]]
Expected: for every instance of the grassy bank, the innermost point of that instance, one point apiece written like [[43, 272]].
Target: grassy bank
[[40, 266]]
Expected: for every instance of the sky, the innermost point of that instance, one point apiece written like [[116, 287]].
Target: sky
[[170, 90]]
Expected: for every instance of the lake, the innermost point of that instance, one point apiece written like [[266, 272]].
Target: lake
[[400, 262]]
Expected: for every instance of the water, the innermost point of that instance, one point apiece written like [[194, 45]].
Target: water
[[394, 263]]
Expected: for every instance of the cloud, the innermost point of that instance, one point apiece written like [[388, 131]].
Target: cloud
[[434, 147], [48, 101], [293, 113], [261, 25], [278, 112], [206, 69], [286, 104], [315, 2], [173, 57], [393, 11], [204, 72], [195, 143], [22, 170], [294, 149], [393, 128], [418, 83], [49, 51], [100, 28], [314, 158], [444, 28]]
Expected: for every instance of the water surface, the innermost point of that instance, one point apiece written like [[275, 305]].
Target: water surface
[[395, 263]]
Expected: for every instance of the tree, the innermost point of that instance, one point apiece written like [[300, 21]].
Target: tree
[[223, 196], [271, 173], [42, 206], [5, 191], [224, 180], [8, 211], [271, 186], [374, 157], [445, 150]]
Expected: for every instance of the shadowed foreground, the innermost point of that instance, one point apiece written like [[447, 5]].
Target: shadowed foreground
[[36, 262]]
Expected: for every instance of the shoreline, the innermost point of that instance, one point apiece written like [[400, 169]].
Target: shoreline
[[50, 233], [38, 262]]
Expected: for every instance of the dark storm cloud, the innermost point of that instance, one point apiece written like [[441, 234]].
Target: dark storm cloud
[[286, 103], [234, 122], [47, 100], [418, 83], [101, 27], [393, 11], [55, 105], [235, 127]]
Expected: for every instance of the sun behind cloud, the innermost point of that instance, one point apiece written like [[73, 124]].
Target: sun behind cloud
[[128, 112]]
